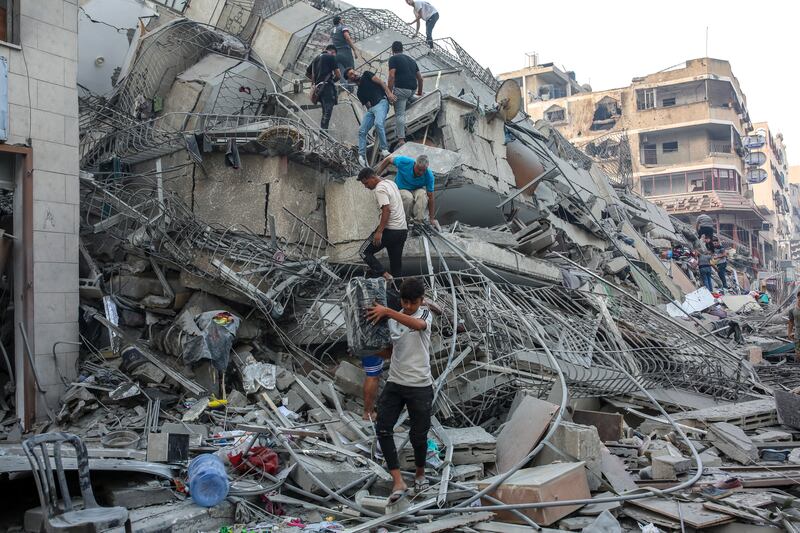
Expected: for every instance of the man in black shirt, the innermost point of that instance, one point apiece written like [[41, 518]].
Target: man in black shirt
[[404, 80], [323, 72], [375, 96]]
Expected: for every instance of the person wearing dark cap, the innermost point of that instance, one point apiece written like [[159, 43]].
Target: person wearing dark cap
[[323, 73], [392, 229]]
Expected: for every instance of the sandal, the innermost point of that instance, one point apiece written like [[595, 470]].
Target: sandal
[[421, 485], [397, 495]]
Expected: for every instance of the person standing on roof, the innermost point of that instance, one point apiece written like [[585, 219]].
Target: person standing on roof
[[704, 226], [323, 73], [404, 80], [425, 11], [392, 229], [345, 49], [375, 96], [416, 183]]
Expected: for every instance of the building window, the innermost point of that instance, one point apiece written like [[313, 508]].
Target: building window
[[668, 102], [669, 147], [645, 99], [649, 154], [555, 114], [690, 182], [9, 21]]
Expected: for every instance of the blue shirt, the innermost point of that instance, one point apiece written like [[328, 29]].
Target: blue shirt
[[405, 178]]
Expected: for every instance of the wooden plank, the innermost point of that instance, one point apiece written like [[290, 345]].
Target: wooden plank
[[693, 514]]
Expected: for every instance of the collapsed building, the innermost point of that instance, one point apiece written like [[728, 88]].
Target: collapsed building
[[208, 191]]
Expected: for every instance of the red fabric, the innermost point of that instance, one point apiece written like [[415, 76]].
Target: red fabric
[[260, 457]]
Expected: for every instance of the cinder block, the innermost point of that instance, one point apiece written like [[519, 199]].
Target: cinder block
[[54, 39], [350, 379], [667, 466], [48, 247], [47, 126], [55, 277]]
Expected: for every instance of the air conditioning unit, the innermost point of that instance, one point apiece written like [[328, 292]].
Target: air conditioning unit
[[765, 226]]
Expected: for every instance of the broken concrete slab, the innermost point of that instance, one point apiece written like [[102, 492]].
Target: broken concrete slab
[[609, 425], [561, 481], [472, 445], [733, 442], [771, 436], [334, 474], [667, 467], [521, 434], [578, 442]]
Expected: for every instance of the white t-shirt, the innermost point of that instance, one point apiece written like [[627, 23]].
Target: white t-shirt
[[425, 9], [387, 193], [411, 355]]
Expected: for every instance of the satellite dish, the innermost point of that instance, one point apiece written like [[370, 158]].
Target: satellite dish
[[756, 176], [754, 141], [509, 99], [755, 159]]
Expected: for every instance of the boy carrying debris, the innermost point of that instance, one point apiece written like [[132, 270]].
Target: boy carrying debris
[[409, 384]]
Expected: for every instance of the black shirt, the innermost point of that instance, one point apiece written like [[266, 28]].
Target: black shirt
[[323, 65], [405, 73], [369, 92]]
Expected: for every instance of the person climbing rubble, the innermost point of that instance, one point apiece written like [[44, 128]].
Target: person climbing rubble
[[404, 80], [793, 316], [375, 96], [705, 269], [392, 229], [323, 73], [721, 259], [416, 184], [705, 226], [409, 385], [345, 48], [424, 11]]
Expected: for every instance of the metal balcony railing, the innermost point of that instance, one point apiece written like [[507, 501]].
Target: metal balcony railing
[[719, 147]]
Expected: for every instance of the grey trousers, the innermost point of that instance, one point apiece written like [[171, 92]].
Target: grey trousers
[[404, 97]]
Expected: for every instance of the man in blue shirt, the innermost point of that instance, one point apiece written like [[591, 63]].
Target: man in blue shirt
[[415, 181]]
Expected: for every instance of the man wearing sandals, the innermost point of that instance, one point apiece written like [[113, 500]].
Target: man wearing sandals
[[409, 384]]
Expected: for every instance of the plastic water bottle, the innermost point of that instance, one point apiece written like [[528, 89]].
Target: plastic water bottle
[[208, 481]]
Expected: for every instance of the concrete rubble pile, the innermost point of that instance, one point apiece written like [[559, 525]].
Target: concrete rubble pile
[[582, 381]]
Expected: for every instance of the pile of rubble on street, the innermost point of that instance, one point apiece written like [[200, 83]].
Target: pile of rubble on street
[[583, 381]]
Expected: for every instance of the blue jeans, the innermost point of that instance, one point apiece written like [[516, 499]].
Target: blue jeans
[[705, 275], [376, 115]]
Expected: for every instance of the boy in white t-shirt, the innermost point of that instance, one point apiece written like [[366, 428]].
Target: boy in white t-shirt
[[392, 229], [410, 383]]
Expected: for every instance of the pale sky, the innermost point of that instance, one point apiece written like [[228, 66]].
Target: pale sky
[[609, 42]]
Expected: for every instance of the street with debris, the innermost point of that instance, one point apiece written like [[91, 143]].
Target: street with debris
[[297, 266]]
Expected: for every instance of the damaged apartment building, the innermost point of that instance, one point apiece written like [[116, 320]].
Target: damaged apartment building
[[215, 236], [686, 137]]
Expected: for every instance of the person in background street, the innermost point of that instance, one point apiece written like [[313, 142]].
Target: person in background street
[[392, 230], [704, 226], [323, 73], [409, 385], [425, 11], [375, 96], [794, 323], [705, 268], [345, 49], [415, 181], [721, 257], [404, 80]]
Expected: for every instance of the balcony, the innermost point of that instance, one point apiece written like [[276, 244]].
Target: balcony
[[653, 157], [719, 148]]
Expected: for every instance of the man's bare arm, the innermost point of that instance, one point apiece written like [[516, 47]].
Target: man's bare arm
[[383, 164], [419, 83], [390, 81]]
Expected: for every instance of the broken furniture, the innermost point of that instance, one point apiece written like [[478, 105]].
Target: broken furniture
[[59, 512]]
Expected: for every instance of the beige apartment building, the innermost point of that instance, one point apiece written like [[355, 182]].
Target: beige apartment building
[[767, 165], [677, 136]]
